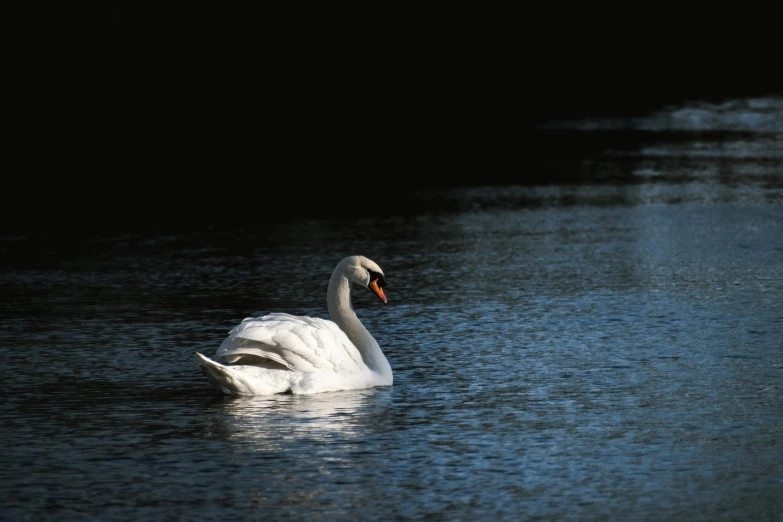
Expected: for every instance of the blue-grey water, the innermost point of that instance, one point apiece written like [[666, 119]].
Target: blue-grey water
[[607, 351]]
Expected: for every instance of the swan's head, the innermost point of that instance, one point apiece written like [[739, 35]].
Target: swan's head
[[364, 272]]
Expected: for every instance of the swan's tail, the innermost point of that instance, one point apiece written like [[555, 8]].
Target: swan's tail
[[242, 380], [222, 377]]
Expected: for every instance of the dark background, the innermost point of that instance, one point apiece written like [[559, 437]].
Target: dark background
[[192, 116]]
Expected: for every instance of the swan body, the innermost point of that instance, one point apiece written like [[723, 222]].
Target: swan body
[[279, 353]]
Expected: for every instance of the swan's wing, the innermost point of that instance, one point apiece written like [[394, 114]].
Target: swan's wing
[[303, 344]]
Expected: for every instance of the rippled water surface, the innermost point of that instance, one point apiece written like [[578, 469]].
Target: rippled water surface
[[571, 352]]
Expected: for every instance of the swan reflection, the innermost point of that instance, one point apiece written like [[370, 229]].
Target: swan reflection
[[276, 419]]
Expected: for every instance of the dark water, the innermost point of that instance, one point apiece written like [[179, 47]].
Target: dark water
[[605, 351]]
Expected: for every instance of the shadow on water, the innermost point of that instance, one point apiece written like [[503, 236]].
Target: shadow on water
[[735, 142]]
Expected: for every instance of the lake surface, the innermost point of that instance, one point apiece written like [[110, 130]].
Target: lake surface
[[602, 351]]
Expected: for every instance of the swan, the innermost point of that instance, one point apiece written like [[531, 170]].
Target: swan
[[283, 353]]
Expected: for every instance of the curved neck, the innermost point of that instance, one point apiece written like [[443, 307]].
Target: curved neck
[[338, 298]]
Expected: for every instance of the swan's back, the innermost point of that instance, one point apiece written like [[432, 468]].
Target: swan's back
[[292, 343]]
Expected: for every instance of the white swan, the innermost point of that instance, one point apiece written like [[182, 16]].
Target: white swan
[[280, 353]]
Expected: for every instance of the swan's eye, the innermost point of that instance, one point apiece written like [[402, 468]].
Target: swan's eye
[[377, 276]]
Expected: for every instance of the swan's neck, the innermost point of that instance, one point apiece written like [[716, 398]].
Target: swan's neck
[[338, 299]]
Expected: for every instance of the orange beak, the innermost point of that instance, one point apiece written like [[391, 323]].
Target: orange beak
[[377, 290]]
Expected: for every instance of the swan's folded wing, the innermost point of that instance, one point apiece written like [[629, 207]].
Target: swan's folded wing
[[303, 344]]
